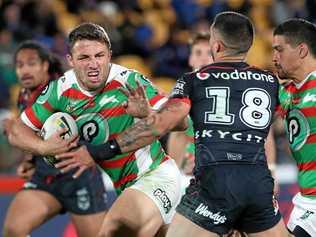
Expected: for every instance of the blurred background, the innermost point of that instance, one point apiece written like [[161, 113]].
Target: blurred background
[[150, 36]]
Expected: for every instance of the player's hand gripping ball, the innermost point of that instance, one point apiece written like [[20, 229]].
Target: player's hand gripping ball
[[53, 124]]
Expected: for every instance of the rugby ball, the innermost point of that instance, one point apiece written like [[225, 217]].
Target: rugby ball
[[53, 124]]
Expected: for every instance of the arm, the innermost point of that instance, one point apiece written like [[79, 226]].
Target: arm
[[141, 134], [155, 125], [270, 150], [23, 137]]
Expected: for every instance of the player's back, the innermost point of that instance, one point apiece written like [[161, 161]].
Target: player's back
[[232, 109]]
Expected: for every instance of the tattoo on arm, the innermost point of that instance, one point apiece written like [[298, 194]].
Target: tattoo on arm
[[139, 135], [145, 131]]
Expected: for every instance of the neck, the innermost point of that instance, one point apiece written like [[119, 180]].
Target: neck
[[228, 57], [44, 82], [304, 70]]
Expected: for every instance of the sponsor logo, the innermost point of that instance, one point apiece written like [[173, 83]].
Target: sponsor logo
[[309, 98], [105, 100], [83, 199], [163, 197], [238, 136], [71, 106], [306, 215], [178, 88], [203, 75], [217, 217], [275, 205], [234, 156], [247, 75]]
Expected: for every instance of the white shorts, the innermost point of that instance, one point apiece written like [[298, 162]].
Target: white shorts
[[163, 186], [303, 214]]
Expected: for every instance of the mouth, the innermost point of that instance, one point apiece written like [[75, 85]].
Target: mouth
[[93, 76], [27, 78]]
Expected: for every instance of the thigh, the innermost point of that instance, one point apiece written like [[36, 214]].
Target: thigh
[[88, 225], [132, 214], [279, 230], [262, 209], [31, 208], [181, 226]]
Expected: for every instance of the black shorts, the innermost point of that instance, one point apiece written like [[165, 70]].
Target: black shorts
[[225, 197], [83, 195]]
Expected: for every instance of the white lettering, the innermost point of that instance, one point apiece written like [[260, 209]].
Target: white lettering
[[216, 217], [248, 75]]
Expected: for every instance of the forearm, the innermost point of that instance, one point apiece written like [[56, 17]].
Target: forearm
[[24, 138], [152, 127], [270, 150], [142, 133]]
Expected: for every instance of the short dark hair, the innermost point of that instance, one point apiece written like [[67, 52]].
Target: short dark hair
[[298, 31], [88, 31], [236, 30], [199, 37], [55, 68]]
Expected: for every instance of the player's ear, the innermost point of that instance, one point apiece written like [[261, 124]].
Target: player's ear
[[46, 66], [303, 50], [217, 46], [70, 60]]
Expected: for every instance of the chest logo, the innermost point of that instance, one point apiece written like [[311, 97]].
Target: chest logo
[[202, 75]]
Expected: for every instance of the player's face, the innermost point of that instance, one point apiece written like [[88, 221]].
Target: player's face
[[285, 57], [200, 55], [30, 69], [91, 62]]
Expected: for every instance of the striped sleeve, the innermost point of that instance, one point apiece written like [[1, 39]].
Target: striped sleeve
[[46, 104]]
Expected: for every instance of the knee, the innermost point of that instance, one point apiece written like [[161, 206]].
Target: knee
[[14, 230]]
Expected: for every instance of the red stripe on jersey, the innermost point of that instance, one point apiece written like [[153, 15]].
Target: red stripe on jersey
[[281, 111], [32, 117], [309, 111], [308, 191], [311, 139], [48, 106], [155, 99], [72, 93], [115, 111], [184, 100], [124, 180], [112, 136], [165, 158], [118, 163], [308, 85], [112, 85], [290, 88], [307, 166], [215, 67]]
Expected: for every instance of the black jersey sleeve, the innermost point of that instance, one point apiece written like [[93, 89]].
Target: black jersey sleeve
[[182, 88]]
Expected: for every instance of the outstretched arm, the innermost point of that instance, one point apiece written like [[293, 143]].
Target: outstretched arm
[[153, 126]]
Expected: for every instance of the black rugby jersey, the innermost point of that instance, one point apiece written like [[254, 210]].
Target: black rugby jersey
[[232, 105]]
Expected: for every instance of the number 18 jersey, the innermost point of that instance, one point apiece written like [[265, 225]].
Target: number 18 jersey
[[232, 105]]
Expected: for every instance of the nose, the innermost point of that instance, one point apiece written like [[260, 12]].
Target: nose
[[275, 57], [93, 63]]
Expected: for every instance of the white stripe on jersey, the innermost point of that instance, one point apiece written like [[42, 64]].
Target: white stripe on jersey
[[27, 122]]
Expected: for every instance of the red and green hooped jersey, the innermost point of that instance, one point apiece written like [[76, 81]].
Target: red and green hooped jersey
[[298, 107], [101, 117]]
